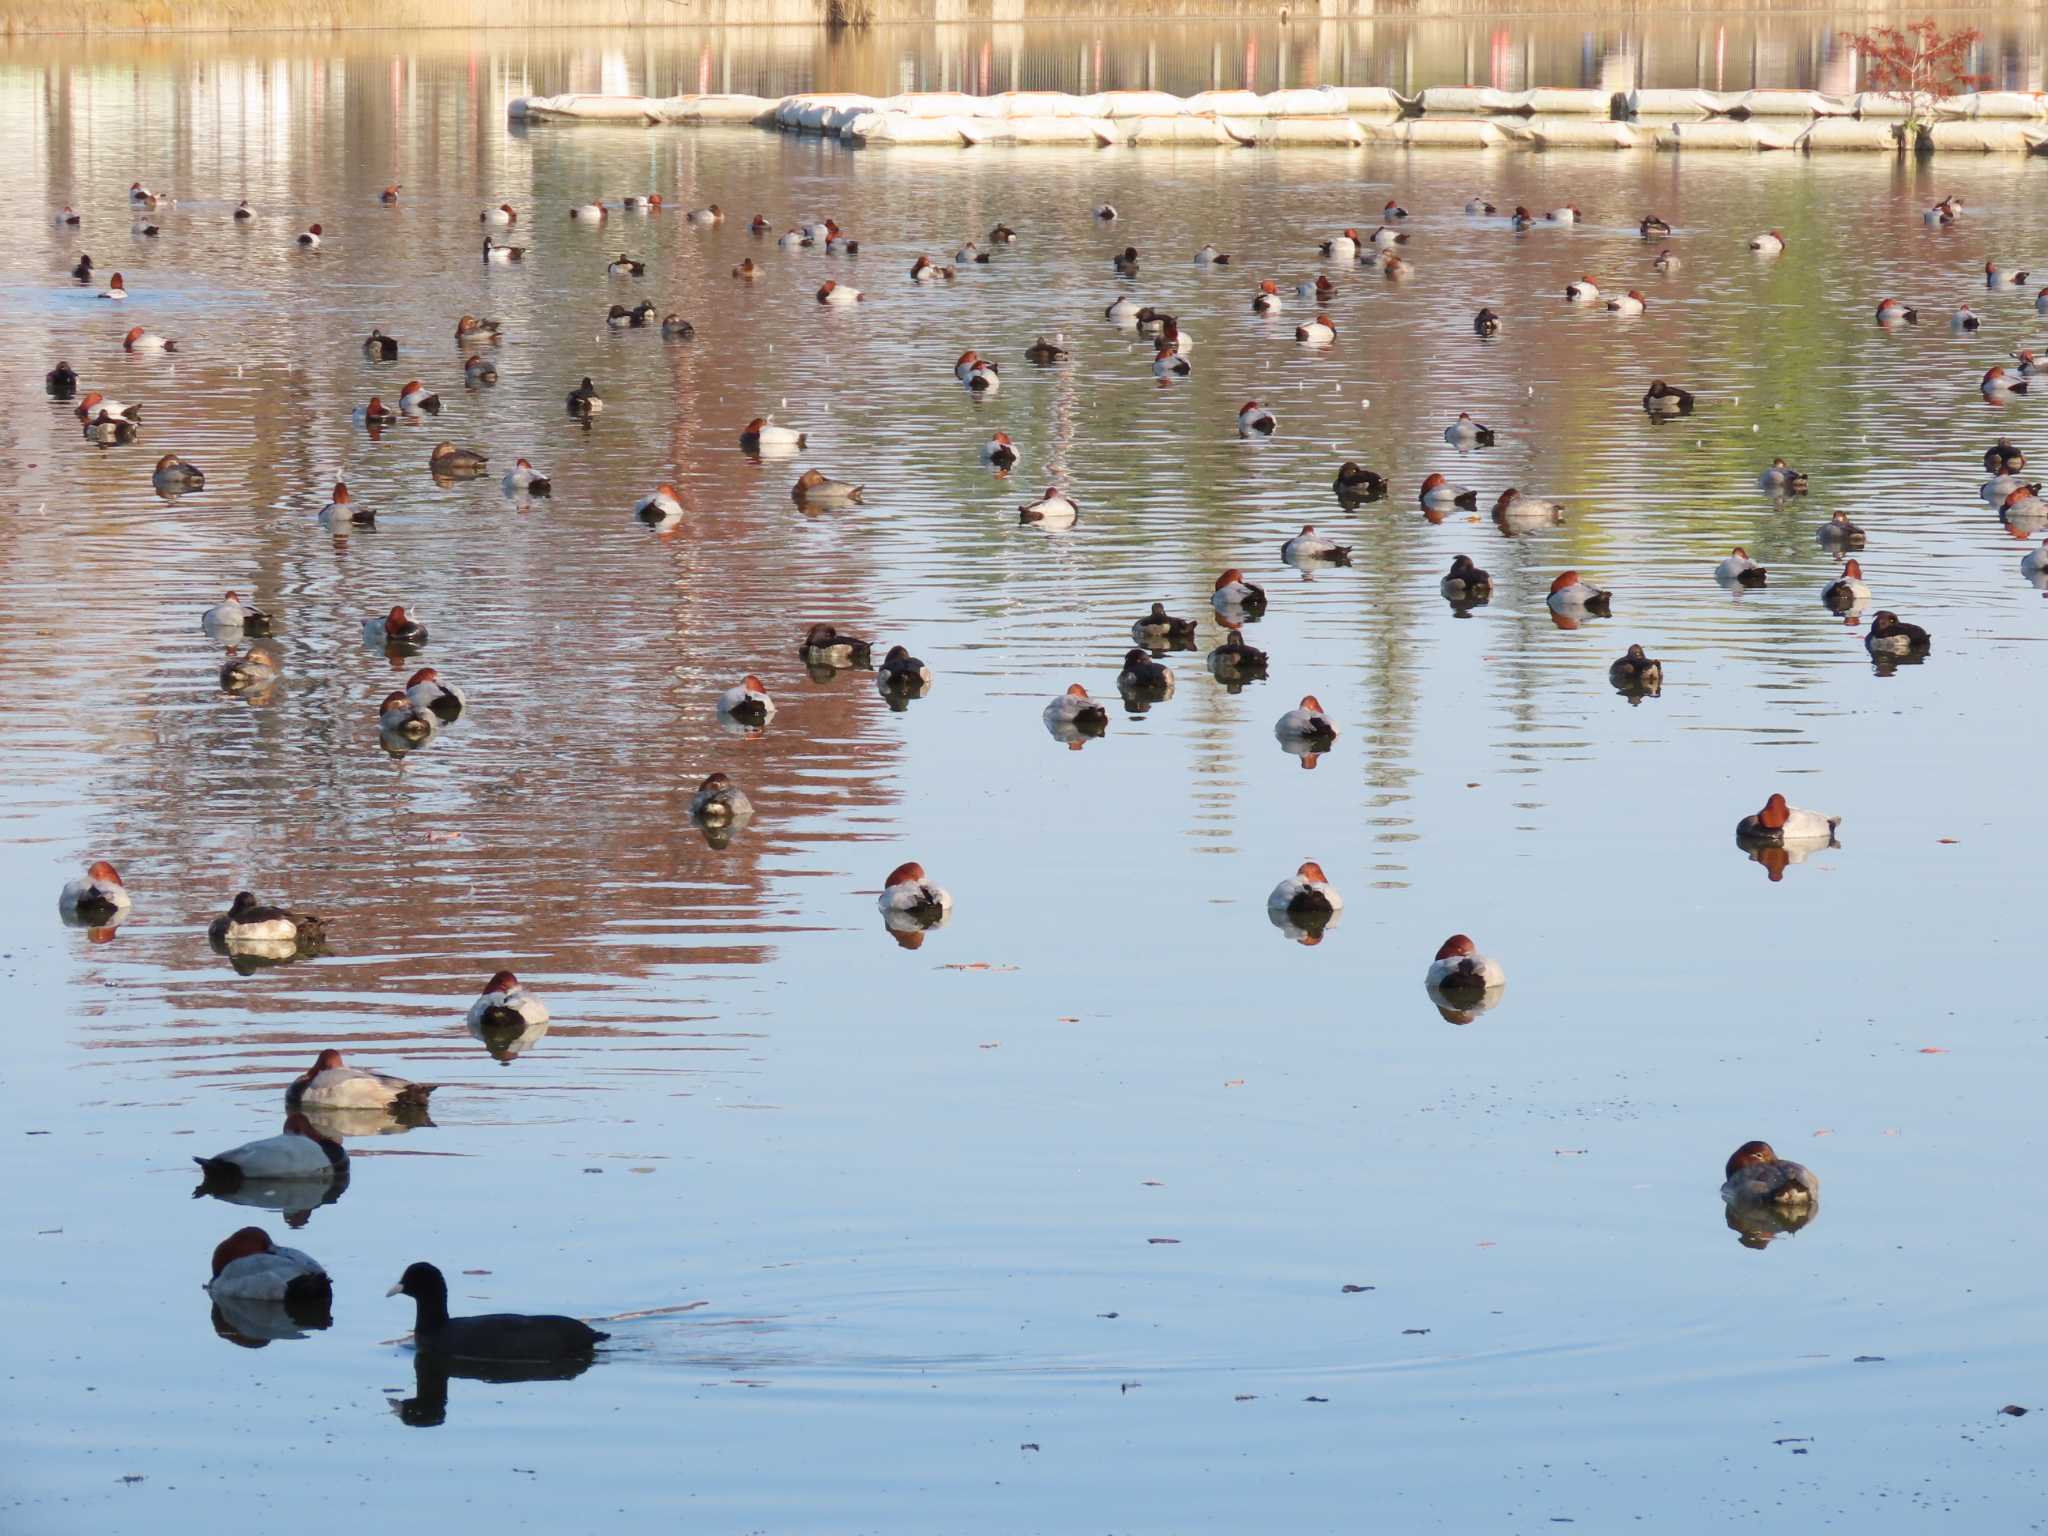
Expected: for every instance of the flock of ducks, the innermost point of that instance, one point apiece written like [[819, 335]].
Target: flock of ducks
[[253, 1279]]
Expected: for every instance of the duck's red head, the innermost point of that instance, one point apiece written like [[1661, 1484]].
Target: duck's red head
[[315, 230], [1750, 1154], [375, 407], [411, 385], [1432, 483], [501, 981], [1313, 871], [1568, 579], [1852, 571], [668, 490], [1775, 813], [904, 874], [327, 1060], [1507, 499], [103, 872], [1457, 947], [393, 701], [1739, 553], [508, 210], [753, 684], [340, 494], [1229, 578], [1004, 439], [1249, 405], [1269, 286], [424, 675], [753, 428], [395, 620], [135, 332], [966, 359], [1307, 529], [1311, 703], [244, 1244], [715, 781]]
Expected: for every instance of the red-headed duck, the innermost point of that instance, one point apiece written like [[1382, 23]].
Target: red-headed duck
[[139, 340], [1305, 901], [2034, 564], [908, 892], [416, 399], [397, 627], [1391, 211], [663, 505], [1996, 384], [389, 194], [1209, 256], [1781, 479], [838, 293], [1322, 290], [1267, 300], [299, 1153], [1963, 318], [94, 897], [747, 701], [503, 255], [1630, 303], [1342, 247], [173, 476], [249, 1267], [589, 213], [1781, 824], [341, 512], [815, 489], [1893, 312], [330, 1083], [1233, 595], [473, 328], [761, 436], [309, 238], [1568, 214], [1074, 714], [1755, 1175], [505, 1006], [478, 372], [67, 215], [1467, 433], [1052, 510], [1839, 533], [925, 270], [400, 720], [504, 213], [375, 413], [1521, 218], [524, 480], [444, 701], [999, 451], [1846, 594], [116, 288], [747, 272], [1306, 722], [1518, 513], [1459, 969], [1254, 420], [1769, 243], [1169, 364], [1998, 279], [709, 214], [1944, 212], [1309, 547], [1318, 332], [1394, 267], [649, 202], [1570, 596], [1440, 495], [1584, 291], [1738, 570]]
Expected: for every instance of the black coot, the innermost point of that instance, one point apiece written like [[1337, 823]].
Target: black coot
[[496, 1336]]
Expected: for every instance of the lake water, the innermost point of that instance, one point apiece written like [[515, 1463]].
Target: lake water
[[917, 1202]]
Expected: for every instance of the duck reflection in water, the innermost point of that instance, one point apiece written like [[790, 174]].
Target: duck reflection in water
[[428, 1406], [1758, 1226]]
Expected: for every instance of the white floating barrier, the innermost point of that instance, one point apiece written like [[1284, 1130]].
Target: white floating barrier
[[759, 110], [1441, 133], [1576, 133], [1138, 104], [1725, 133], [1773, 103], [1989, 136], [1175, 130], [1827, 133], [902, 128], [1999, 104], [588, 108]]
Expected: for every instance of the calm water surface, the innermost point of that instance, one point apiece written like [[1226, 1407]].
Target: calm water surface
[[909, 1197]]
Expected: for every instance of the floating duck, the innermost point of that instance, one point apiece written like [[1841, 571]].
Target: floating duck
[[1782, 825], [1521, 218], [664, 506], [620, 318], [1768, 244], [505, 1006], [1998, 490], [478, 372], [747, 272], [1662, 399], [793, 239], [1893, 312], [1106, 212], [584, 400], [1002, 234], [908, 897], [1756, 1176], [61, 382], [253, 670], [67, 215], [1161, 631], [1634, 672], [173, 476], [1123, 312], [747, 702], [2001, 458], [529, 1340], [719, 802], [444, 701], [309, 238], [1355, 483], [1308, 547], [398, 627], [1630, 303], [1570, 596], [1467, 433], [1052, 510], [588, 213], [1963, 318], [761, 436], [1781, 479], [924, 270], [1395, 268], [248, 1267], [1840, 533], [388, 195], [449, 462], [971, 254], [1073, 713], [1342, 247], [1045, 353], [1653, 228], [1322, 290], [379, 348], [504, 213], [623, 265], [399, 719], [524, 480], [1738, 570], [1996, 384], [1318, 332], [1666, 260], [473, 329], [232, 616], [1306, 723], [1518, 513], [649, 202], [1486, 323], [901, 672], [330, 1083], [299, 1154], [1169, 364], [1305, 901], [1461, 974], [838, 293], [814, 489], [1233, 663], [710, 214], [375, 413], [1384, 238], [1944, 212], [1569, 214], [825, 646], [115, 288], [1997, 279], [1584, 291], [249, 921], [999, 451], [1479, 207], [2034, 564], [1465, 582], [1846, 593], [1267, 300], [416, 399], [1440, 495], [1234, 595], [1254, 420], [94, 898], [139, 340], [1889, 635], [341, 512]]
